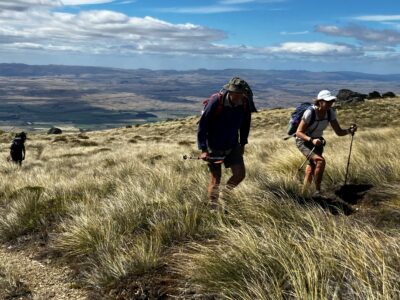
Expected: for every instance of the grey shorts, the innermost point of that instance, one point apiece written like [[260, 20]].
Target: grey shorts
[[232, 157], [306, 148]]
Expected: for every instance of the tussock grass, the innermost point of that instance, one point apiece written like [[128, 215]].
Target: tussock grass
[[279, 262], [122, 203]]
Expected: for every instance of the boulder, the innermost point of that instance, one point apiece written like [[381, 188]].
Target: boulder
[[346, 96], [374, 95], [388, 95], [54, 130]]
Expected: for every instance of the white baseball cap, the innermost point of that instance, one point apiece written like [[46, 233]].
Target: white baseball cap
[[325, 95]]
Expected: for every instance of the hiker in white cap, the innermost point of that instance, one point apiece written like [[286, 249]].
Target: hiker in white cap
[[309, 138]]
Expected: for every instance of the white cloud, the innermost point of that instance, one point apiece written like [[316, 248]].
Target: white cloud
[[102, 31], [295, 32], [111, 33], [22, 5], [312, 48], [378, 18], [363, 34], [127, 2], [212, 9], [222, 6], [85, 2]]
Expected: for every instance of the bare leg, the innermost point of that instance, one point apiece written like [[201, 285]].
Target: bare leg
[[308, 176], [213, 185], [319, 171]]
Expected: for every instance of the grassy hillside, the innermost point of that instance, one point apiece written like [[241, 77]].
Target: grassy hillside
[[129, 215]]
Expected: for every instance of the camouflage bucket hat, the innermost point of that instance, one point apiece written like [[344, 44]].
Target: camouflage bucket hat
[[237, 85]]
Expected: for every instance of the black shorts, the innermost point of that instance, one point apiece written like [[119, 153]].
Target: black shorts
[[232, 157]]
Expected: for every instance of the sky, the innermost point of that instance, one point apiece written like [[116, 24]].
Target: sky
[[315, 35]]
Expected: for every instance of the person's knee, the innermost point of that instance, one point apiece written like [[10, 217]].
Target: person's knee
[[215, 179], [239, 174], [309, 170], [319, 162]]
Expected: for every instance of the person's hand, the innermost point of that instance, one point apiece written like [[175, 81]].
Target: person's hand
[[204, 155], [352, 129], [316, 142]]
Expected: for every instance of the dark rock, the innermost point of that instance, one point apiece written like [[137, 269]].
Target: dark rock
[[128, 126], [374, 95], [54, 130], [346, 96], [388, 95]]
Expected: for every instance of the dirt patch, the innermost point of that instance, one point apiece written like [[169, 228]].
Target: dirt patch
[[42, 280], [353, 193]]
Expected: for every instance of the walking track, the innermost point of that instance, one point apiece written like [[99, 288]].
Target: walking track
[[44, 281]]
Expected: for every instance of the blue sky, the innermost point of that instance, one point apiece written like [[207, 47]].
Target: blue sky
[[350, 35]]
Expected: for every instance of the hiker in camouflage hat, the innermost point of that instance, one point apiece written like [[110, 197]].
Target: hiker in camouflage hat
[[248, 91], [309, 138], [222, 135]]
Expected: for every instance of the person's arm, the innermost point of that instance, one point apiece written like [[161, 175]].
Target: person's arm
[[203, 126], [23, 151], [341, 132], [245, 128], [301, 133]]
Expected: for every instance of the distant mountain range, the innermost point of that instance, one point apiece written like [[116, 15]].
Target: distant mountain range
[[19, 70], [97, 97]]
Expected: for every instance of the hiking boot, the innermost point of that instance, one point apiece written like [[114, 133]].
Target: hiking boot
[[316, 194], [217, 207], [319, 195], [214, 206]]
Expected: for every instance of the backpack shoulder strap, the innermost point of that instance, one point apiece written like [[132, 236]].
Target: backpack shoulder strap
[[313, 115], [220, 103], [219, 98]]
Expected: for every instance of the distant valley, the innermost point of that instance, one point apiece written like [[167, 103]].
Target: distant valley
[[38, 97]]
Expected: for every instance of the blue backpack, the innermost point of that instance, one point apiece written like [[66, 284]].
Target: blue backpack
[[297, 114]]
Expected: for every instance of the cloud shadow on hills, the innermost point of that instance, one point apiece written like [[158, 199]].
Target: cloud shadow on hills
[[69, 112]]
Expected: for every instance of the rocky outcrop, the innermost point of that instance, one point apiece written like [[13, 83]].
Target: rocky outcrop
[[388, 95], [54, 130], [346, 96], [374, 95]]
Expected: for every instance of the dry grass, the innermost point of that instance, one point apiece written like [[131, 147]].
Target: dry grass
[[123, 204]]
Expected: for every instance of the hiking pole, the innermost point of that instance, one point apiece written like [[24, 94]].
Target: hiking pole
[[307, 158], [348, 160], [289, 136], [185, 157]]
